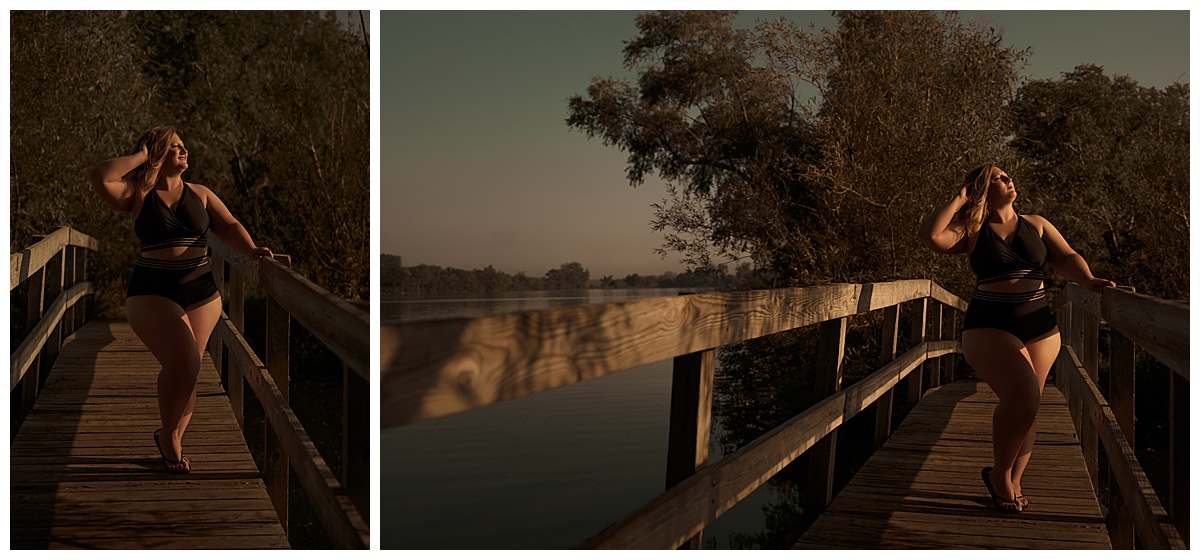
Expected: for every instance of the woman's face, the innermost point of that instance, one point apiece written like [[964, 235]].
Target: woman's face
[[1000, 188], [177, 154]]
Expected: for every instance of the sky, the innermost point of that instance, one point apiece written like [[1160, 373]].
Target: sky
[[478, 166]]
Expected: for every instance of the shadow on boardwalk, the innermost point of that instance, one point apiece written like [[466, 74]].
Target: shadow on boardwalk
[[86, 474]]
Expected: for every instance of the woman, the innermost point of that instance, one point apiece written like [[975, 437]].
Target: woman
[[172, 301], [1009, 336]]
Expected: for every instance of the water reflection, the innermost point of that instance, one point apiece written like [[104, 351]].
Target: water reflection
[[551, 469]]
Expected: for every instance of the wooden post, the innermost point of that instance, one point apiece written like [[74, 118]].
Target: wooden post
[[828, 380], [30, 382], [53, 288], [237, 315], [278, 347], [1087, 329], [1060, 365], [216, 349], [887, 353], [917, 334], [68, 318], [949, 332], [356, 440], [691, 421], [1121, 399], [1179, 506], [81, 276], [935, 333]]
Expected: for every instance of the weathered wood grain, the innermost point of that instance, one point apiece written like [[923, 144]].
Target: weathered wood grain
[[84, 472], [342, 327], [29, 260], [439, 367], [1154, 527], [922, 490], [31, 347], [674, 516], [338, 514]]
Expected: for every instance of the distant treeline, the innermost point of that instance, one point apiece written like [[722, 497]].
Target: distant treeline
[[429, 279]]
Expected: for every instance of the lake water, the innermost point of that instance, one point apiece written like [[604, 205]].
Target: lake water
[[545, 471]]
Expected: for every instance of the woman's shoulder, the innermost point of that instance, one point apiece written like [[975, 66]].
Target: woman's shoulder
[[1037, 222], [201, 191]]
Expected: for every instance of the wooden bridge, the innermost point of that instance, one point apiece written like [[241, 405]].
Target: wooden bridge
[[85, 472], [920, 488]]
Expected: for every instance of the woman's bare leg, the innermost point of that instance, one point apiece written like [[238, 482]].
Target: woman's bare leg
[[997, 357], [1041, 354], [164, 328]]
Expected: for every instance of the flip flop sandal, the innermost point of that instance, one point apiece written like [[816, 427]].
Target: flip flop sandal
[[996, 499], [173, 467]]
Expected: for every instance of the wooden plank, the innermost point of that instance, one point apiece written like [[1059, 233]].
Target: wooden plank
[[1158, 326], [275, 460], [44, 332], [1154, 528], [887, 353], [918, 493], [691, 421], [84, 471], [439, 367], [917, 336], [338, 515], [27, 262], [671, 518], [342, 327], [831, 349]]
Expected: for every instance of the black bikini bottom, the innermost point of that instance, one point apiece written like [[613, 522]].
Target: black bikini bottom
[[1026, 315], [185, 281]]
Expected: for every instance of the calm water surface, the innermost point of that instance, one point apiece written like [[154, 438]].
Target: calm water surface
[[539, 472]]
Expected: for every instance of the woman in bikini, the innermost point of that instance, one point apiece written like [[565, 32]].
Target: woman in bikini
[[1010, 337], [172, 302]]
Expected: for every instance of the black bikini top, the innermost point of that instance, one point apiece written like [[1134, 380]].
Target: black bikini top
[[159, 227], [994, 259]]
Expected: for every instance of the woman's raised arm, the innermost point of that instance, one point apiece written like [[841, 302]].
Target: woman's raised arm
[[107, 179], [941, 234]]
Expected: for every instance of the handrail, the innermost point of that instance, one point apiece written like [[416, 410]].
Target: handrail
[[29, 349], [1160, 327], [341, 504], [439, 367], [53, 267], [340, 517], [673, 517], [344, 328], [434, 368], [26, 262]]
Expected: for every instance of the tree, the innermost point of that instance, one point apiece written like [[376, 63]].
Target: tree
[[1107, 161], [274, 107], [815, 191], [569, 276]]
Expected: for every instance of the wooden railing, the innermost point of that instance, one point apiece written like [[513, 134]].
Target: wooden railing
[[54, 270], [1160, 328], [341, 503], [440, 367]]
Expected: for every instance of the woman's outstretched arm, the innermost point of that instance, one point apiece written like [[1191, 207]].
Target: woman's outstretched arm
[[1066, 261], [941, 234], [107, 179], [227, 228]]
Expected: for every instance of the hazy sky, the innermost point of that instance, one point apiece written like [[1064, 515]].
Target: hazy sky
[[478, 165]]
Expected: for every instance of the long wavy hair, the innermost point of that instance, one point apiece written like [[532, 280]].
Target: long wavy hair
[[976, 210], [157, 140]]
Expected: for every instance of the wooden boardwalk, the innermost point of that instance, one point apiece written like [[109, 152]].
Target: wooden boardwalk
[[86, 474], [923, 490]]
